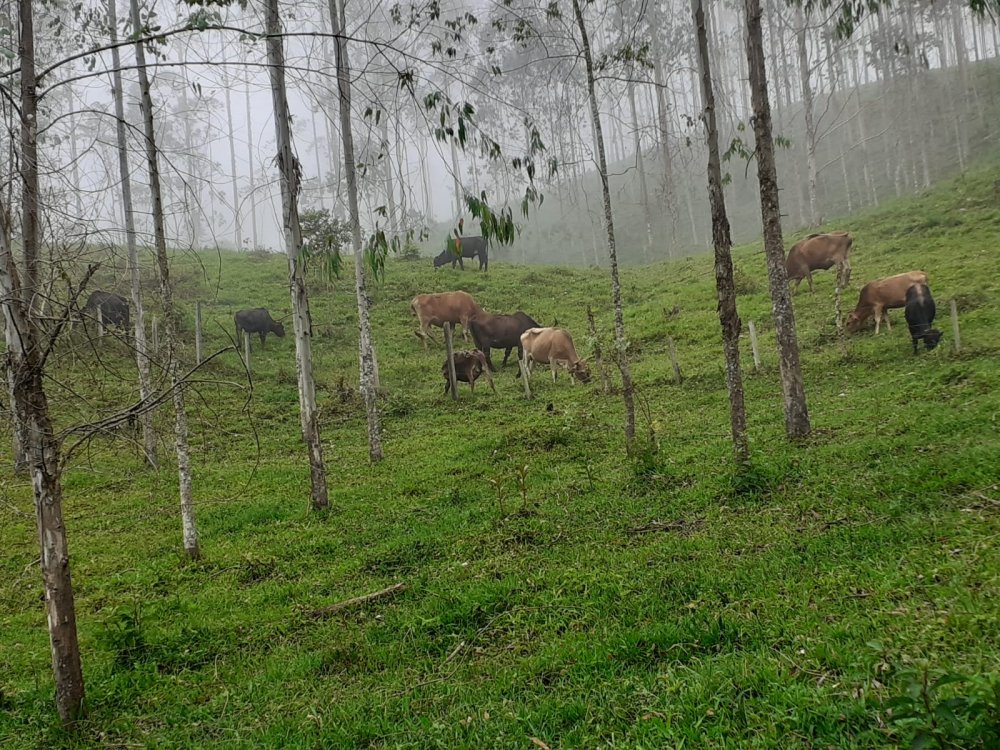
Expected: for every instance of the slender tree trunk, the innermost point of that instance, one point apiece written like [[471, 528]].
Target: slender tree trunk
[[390, 189], [728, 316], [142, 354], [663, 121], [807, 103], [190, 530], [237, 225], [31, 407], [796, 413], [641, 163], [366, 343], [288, 166], [621, 343], [252, 197]]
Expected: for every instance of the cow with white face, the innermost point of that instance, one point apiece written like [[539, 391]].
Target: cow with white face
[[553, 347]]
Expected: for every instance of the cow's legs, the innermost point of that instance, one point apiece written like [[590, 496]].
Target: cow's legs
[[552, 366], [506, 356], [263, 335], [809, 278], [888, 323], [489, 379], [878, 319]]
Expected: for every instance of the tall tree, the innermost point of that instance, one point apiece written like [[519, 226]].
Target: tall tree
[[366, 344], [621, 343], [288, 166], [793, 390], [188, 526], [142, 353], [728, 316], [26, 360]]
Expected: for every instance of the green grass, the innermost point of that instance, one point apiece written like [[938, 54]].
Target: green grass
[[786, 611]]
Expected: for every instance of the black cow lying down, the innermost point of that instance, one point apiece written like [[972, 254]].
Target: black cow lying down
[[469, 365]]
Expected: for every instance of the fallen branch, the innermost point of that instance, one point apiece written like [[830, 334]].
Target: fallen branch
[[358, 600]]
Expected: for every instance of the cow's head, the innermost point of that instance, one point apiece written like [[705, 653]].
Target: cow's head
[[443, 259], [580, 371], [854, 322], [278, 329], [931, 338]]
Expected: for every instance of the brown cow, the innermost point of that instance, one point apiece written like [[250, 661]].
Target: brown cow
[[553, 346], [881, 295], [469, 365], [818, 252], [446, 307]]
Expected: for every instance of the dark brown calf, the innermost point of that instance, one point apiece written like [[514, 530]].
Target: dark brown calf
[[469, 365]]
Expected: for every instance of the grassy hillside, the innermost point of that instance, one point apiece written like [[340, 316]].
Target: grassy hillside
[[784, 607]]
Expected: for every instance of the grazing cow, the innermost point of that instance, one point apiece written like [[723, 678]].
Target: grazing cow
[[818, 252], [879, 296], [445, 307], [467, 247], [920, 311], [113, 309], [553, 346], [469, 365], [258, 320], [500, 332]]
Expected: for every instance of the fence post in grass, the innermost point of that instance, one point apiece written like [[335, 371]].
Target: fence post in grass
[[197, 333], [954, 327], [450, 354], [837, 311], [246, 351], [524, 375], [598, 358], [156, 335], [100, 322], [753, 346], [678, 378]]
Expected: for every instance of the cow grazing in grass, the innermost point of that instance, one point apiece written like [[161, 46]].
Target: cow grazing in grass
[[464, 247], [259, 321], [818, 252], [920, 311], [445, 307], [500, 332], [112, 308], [877, 297], [554, 347], [469, 365]]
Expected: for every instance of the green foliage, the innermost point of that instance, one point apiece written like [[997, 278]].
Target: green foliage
[[948, 711], [324, 238]]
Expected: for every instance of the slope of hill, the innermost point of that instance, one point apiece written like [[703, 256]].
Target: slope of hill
[[555, 589]]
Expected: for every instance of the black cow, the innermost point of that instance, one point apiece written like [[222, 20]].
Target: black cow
[[471, 247], [257, 320], [114, 310], [469, 365], [500, 332], [920, 311]]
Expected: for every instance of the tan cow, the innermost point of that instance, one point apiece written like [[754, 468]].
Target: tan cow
[[553, 346], [818, 252], [881, 295], [445, 307]]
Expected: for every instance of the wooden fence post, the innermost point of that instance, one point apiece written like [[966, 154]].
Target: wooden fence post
[[450, 353], [753, 346], [246, 351], [837, 312], [156, 335], [100, 322], [678, 378], [954, 327], [197, 333], [598, 358]]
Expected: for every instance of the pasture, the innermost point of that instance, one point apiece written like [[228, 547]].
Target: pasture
[[555, 589]]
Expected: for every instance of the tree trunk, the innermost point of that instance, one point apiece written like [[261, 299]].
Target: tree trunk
[[796, 413], [728, 316], [252, 197], [366, 344], [641, 163], [237, 226], [288, 166], [31, 407], [190, 530], [30, 230], [142, 358], [390, 189], [807, 103], [621, 343], [663, 121]]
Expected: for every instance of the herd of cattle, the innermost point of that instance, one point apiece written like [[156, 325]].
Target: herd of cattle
[[554, 346]]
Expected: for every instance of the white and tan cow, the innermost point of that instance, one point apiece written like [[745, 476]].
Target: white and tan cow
[[553, 347], [457, 308], [818, 252], [881, 295]]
